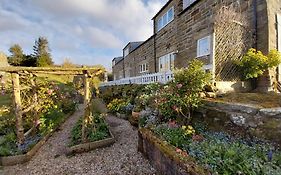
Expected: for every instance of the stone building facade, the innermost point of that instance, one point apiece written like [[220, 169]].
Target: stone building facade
[[206, 30], [118, 68]]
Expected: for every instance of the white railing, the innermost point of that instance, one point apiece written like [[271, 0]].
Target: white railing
[[161, 77]]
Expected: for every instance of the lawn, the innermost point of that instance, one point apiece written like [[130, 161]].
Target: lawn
[[257, 99], [5, 100]]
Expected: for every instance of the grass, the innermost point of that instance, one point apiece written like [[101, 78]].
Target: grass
[[257, 99], [5, 100]]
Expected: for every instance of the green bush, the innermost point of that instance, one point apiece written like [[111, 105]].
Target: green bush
[[254, 62], [181, 96], [118, 105]]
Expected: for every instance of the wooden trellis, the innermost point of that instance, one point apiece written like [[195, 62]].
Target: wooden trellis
[[16, 72], [234, 37]]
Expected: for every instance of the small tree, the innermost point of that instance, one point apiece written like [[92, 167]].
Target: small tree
[[17, 55], [68, 64], [42, 52], [254, 63], [29, 61], [181, 96]]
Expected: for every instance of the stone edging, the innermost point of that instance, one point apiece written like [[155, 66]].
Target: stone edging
[[85, 147], [18, 159], [164, 157]]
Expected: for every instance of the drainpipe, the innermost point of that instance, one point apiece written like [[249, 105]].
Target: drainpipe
[[255, 8], [155, 61], [154, 45]]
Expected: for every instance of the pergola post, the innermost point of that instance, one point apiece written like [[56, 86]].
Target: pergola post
[[86, 104], [17, 106]]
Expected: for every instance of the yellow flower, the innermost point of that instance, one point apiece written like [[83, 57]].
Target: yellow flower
[[183, 127], [189, 127]]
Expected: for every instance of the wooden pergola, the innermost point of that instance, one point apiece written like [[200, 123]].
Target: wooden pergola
[[16, 72]]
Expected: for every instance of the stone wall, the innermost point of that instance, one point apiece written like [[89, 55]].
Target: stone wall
[[142, 54], [248, 120], [272, 8], [166, 38], [118, 70], [180, 36], [164, 157]]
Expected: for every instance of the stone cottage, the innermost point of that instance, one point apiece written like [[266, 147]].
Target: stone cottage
[[218, 32]]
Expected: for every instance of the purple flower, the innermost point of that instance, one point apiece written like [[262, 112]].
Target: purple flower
[[270, 155]]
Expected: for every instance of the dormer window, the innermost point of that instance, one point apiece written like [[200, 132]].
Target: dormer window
[[187, 3], [165, 19], [126, 52]]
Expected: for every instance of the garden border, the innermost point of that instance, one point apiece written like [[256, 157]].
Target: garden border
[[164, 157], [85, 147], [23, 158]]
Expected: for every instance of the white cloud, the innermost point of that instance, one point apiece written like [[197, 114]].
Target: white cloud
[[77, 28]]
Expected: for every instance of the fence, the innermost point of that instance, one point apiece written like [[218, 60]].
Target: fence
[[160, 77]]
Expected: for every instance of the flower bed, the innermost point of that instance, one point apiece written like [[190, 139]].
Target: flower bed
[[220, 152], [165, 157], [97, 133], [14, 156], [55, 103]]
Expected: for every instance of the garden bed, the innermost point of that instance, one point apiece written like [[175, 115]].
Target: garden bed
[[22, 158], [85, 147], [97, 133], [182, 150], [164, 157]]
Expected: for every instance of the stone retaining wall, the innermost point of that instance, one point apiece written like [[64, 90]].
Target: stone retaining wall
[[164, 157], [263, 123]]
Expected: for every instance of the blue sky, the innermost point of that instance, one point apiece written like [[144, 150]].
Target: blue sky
[[84, 31]]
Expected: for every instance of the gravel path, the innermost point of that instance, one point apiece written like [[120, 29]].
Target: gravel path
[[120, 158]]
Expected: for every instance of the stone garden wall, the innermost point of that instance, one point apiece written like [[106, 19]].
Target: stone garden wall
[[164, 157], [247, 119]]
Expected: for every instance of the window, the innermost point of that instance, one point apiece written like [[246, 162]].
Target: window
[[204, 46], [126, 52], [165, 19], [143, 68], [166, 62], [187, 3]]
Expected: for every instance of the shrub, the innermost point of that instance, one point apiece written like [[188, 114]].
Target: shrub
[[254, 63], [181, 96], [117, 105]]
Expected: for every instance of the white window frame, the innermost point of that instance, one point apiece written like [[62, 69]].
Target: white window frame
[[201, 44], [167, 62], [160, 21], [187, 3], [126, 52], [143, 68]]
